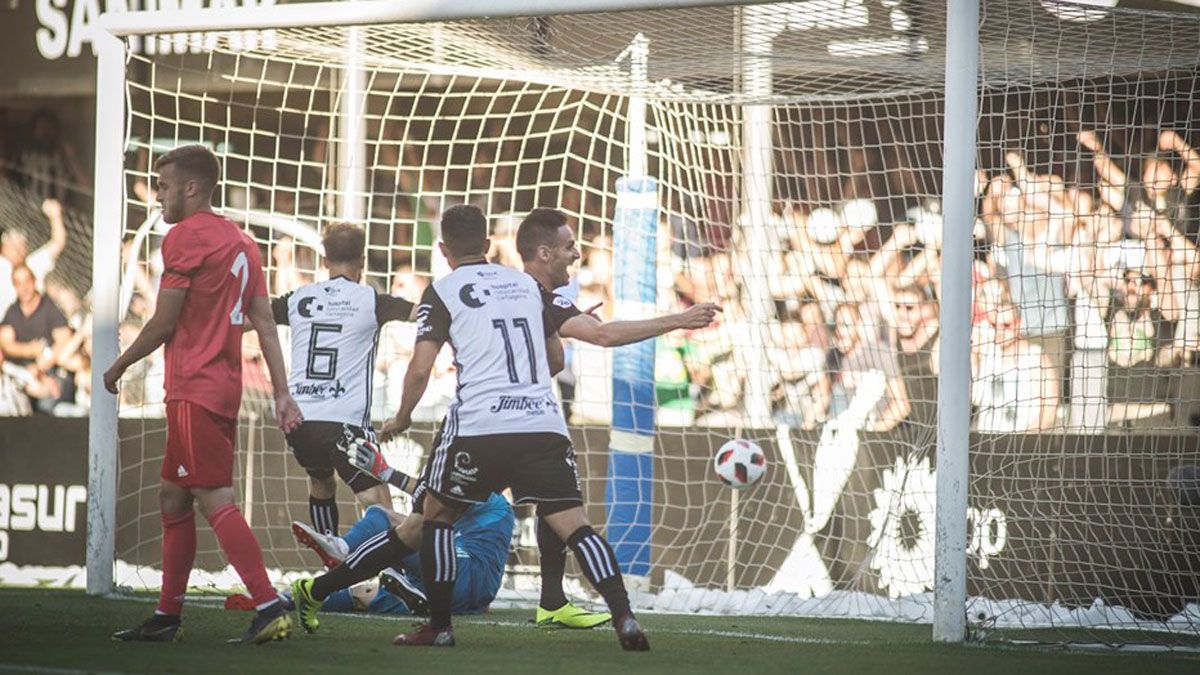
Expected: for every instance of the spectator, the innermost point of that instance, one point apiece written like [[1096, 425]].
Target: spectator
[[1135, 325], [287, 275], [504, 244], [49, 166], [34, 335], [915, 335], [866, 377], [14, 252], [1162, 191], [916, 320], [1014, 390], [801, 396], [13, 401]]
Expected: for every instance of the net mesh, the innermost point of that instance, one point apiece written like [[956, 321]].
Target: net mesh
[[1086, 321]]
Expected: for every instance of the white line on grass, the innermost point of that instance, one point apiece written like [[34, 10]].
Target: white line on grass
[[9, 668], [740, 635], [525, 625]]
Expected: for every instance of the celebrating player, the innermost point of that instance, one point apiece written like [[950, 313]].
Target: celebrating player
[[505, 429], [335, 328], [548, 249], [212, 282]]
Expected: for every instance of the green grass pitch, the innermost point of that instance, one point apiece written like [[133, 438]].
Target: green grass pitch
[[65, 632]]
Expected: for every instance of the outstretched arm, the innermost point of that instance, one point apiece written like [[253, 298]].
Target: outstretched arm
[[589, 329]]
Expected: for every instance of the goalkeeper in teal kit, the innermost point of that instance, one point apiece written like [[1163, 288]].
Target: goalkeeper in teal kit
[[481, 548]]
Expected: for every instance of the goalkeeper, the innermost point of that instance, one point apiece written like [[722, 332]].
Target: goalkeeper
[[481, 549], [481, 545]]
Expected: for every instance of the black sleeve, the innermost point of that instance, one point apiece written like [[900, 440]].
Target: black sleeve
[[390, 308], [279, 307], [433, 318], [556, 310]]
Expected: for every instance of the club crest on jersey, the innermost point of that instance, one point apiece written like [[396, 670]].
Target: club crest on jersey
[[471, 298], [305, 308], [562, 302], [462, 464], [463, 473]]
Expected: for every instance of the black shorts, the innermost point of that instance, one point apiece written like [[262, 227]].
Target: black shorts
[[539, 467], [315, 446]]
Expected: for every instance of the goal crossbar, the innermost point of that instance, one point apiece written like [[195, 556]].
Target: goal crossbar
[[124, 24]]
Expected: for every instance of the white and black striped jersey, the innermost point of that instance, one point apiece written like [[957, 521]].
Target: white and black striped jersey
[[335, 329], [497, 320]]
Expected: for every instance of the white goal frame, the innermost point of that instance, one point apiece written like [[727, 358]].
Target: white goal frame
[[959, 153]]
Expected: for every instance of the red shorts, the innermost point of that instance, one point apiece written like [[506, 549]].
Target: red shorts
[[200, 446]]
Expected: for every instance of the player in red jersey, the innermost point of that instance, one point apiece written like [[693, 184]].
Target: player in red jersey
[[212, 282]]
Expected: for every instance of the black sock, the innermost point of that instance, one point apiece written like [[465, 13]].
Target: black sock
[[599, 565], [324, 515], [376, 554], [552, 554], [438, 570]]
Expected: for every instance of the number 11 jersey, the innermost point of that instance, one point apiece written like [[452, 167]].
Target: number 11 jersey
[[497, 320]]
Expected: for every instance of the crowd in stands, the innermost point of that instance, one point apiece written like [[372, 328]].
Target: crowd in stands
[[45, 325], [1086, 311]]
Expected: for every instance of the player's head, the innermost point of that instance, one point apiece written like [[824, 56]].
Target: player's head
[[345, 246], [547, 245], [24, 283], [464, 233], [187, 177]]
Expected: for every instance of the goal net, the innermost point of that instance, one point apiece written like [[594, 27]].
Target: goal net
[[785, 161]]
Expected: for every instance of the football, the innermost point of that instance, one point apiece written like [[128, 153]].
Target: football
[[740, 463]]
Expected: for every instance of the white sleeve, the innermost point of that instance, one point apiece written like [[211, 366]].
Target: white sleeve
[[41, 263]]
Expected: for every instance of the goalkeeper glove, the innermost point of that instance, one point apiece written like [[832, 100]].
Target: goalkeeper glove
[[366, 456]]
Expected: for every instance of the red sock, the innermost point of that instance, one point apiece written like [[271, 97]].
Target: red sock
[[178, 553], [242, 551]]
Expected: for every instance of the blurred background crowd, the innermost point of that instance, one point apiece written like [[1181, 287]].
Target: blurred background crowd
[[1086, 275]]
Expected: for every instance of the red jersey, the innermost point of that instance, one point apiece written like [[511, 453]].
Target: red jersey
[[220, 266]]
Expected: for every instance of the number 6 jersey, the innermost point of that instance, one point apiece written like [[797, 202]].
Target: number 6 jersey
[[335, 330], [497, 320]]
